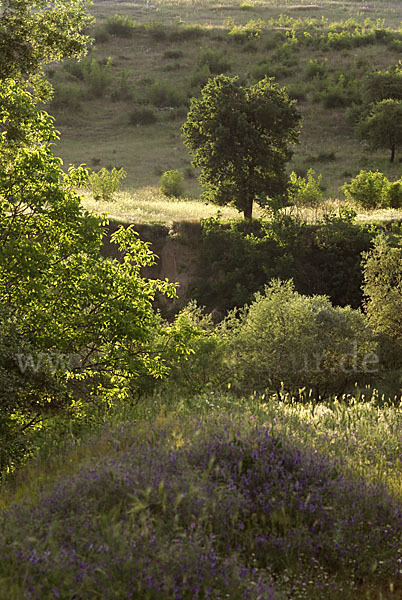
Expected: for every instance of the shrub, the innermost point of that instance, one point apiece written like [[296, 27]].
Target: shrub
[[200, 76], [393, 195], [316, 68], [120, 26], [284, 340], [326, 156], [104, 183], [261, 70], [383, 297], [306, 191], [163, 94], [142, 115], [66, 96], [173, 54], [171, 183], [97, 75], [297, 91], [123, 90], [188, 32], [250, 31], [333, 259], [157, 30], [201, 366], [74, 68], [214, 60], [367, 190], [101, 36]]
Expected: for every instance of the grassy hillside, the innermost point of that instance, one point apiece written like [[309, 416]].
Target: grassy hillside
[[147, 67]]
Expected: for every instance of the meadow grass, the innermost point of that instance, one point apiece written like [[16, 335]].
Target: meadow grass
[[149, 205], [213, 497]]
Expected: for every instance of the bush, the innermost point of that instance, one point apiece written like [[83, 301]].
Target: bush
[[171, 183], [261, 70], [101, 36], [393, 196], [333, 259], [97, 75], [200, 76], [188, 32], [201, 367], [173, 54], [250, 31], [284, 340], [142, 115], [306, 191], [123, 90], [383, 298], [120, 26], [157, 30], [214, 60], [163, 94], [316, 68], [66, 96], [297, 91], [368, 189], [104, 183]]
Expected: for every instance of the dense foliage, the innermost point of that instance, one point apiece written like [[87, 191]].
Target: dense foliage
[[240, 137], [285, 341], [79, 325], [34, 33], [238, 259], [383, 299]]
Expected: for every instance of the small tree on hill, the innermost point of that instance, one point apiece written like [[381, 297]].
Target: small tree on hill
[[383, 126], [240, 138]]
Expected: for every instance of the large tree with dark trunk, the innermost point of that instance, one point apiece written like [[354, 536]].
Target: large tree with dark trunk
[[240, 137]]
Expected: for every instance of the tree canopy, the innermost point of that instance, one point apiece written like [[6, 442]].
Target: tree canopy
[[382, 128], [241, 137], [34, 33], [73, 325]]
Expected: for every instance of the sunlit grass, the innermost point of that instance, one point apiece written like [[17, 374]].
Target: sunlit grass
[[149, 205]]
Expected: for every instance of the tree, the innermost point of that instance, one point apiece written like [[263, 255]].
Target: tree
[[72, 324], [240, 138], [382, 128], [34, 33]]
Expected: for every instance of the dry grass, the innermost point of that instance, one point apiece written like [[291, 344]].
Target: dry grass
[[149, 205]]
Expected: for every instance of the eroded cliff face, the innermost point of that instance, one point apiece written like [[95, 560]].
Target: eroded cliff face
[[177, 250]]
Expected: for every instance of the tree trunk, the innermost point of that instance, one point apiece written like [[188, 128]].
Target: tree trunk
[[392, 154], [248, 211]]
